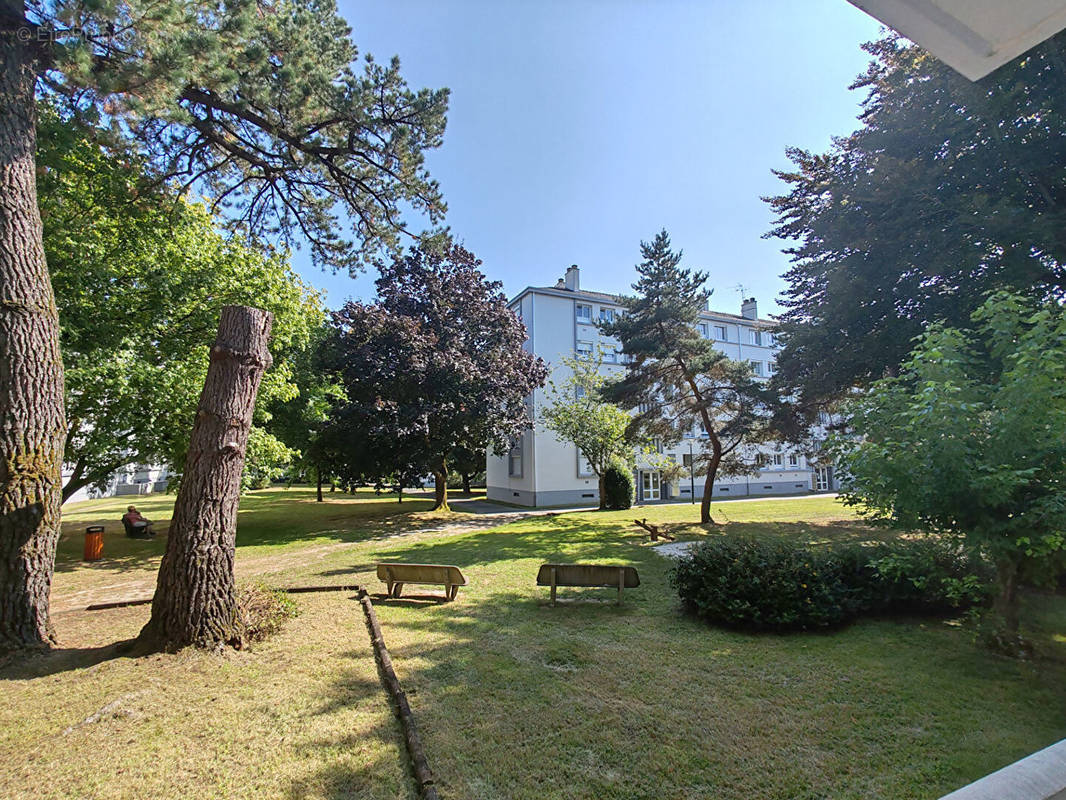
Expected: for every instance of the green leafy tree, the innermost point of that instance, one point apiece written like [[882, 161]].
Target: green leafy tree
[[468, 461], [949, 190], [675, 379], [437, 362], [260, 108], [969, 439], [138, 293], [577, 413]]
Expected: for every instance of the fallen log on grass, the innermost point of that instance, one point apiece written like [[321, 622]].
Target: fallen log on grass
[[423, 774], [143, 601], [653, 530]]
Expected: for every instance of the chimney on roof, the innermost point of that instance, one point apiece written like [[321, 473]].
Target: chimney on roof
[[560, 284], [749, 309], [573, 278]]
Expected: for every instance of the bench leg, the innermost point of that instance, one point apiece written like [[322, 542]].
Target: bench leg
[[454, 592], [397, 588], [388, 588], [553, 586], [447, 591]]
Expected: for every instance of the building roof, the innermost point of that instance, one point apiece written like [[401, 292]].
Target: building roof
[[604, 297], [972, 36]]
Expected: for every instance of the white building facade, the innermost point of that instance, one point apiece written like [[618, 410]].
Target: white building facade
[[541, 470]]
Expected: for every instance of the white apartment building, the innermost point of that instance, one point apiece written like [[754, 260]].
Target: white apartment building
[[541, 470]]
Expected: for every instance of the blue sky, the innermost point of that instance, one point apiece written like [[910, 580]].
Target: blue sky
[[577, 128]]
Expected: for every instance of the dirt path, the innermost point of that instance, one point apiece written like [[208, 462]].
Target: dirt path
[[142, 583]]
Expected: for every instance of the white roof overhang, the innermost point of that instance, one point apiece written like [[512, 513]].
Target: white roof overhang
[[972, 36]]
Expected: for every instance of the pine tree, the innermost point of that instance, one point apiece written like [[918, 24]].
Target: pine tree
[[675, 379], [257, 106]]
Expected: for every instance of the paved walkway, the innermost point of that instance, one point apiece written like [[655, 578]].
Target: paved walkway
[[673, 549]]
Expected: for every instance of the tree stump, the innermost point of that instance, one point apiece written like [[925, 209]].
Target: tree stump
[[195, 602]]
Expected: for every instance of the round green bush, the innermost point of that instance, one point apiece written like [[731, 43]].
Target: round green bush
[[755, 584], [618, 487]]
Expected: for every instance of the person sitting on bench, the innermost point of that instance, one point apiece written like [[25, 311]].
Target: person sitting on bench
[[135, 523]]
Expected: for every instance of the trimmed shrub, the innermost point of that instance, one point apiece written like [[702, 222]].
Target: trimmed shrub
[[618, 487], [759, 585]]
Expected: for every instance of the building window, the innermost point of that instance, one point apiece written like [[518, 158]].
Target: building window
[[514, 460], [793, 460], [584, 349], [610, 355], [584, 468], [756, 337], [657, 444], [686, 460], [756, 367], [703, 329], [584, 313], [778, 460], [606, 315], [770, 367], [720, 334], [579, 392]]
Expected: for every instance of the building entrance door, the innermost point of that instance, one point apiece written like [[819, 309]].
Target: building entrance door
[[823, 479], [650, 485]]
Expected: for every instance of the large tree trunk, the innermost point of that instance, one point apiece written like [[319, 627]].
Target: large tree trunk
[[440, 488], [601, 483], [195, 601], [32, 423], [466, 483], [318, 478], [708, 483]]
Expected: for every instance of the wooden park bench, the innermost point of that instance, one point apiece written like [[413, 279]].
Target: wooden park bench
[[587, 575], [396, 575]]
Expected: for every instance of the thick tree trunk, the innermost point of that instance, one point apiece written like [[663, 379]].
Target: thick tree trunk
[[466, 483], [195, 601], [440, 488], [601, 483], [708, 487], [32, 423], [318, 474]]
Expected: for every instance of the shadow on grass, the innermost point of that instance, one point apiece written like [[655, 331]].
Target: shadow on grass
[[27, 666]]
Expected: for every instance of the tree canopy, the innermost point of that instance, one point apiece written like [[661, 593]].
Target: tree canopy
[[436, 363], [263, 107], [577, 413], [970, 438], [948, 190], [138, 293], [675, 379]]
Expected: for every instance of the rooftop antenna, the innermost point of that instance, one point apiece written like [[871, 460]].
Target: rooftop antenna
[[742, 290]]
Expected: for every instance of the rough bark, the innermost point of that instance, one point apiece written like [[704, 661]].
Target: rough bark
[[708, 486], [195, 600], [466, 483], [601, 483], [318, 480], [440, 487], [32, 423]]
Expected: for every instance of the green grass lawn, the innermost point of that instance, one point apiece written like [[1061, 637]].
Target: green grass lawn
[[514, 698]]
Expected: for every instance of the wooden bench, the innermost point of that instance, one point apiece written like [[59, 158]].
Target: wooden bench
[[396, 575], [587, 575]]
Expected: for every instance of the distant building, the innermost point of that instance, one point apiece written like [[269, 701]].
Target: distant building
[[133, 479], [542, 470]]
